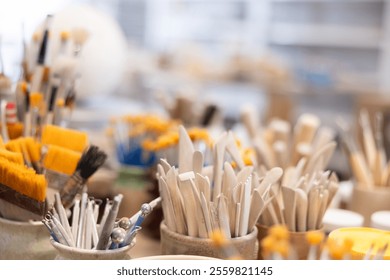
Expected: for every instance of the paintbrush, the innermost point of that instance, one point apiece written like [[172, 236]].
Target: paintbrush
[[79, 36], [64, 137], [61, 160], [39, 70], [91, 159], [358, 164], [368, 138], [21, 188], [52, 99]]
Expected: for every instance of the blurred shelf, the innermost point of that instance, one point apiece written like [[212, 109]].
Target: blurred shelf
[[334, 1], [325, 35]]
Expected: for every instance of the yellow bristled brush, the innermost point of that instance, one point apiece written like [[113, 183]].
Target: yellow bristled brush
[[18, 146], [36, 100], [64, 37], [64, 137], [36, 109], [33, 148], [29, 149], [12, 156], [26, 109], [23, 188], [15, 130], [61, 160]]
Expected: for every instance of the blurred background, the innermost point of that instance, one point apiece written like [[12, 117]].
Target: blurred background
[[282, 57]]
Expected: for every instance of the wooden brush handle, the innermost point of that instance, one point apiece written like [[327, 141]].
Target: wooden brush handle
[[22, 201], [360, 169], [74, 184]]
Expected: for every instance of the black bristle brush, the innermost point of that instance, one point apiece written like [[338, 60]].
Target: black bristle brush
[[91, 160]]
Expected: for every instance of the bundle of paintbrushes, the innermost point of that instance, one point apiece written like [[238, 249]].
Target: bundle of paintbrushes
[[46, 90], [198, 199], [277, 245], [32, 170], [301, 199], [166, 145], [185, 106], [367, 157], [85, 232], [131, 131], [22, 190], [61, 150], [278, 144], [55, 153]]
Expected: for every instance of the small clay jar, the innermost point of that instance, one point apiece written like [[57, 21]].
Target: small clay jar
[[70, 253], [24, 241], [173, 243], [297, 240], [368, 201]]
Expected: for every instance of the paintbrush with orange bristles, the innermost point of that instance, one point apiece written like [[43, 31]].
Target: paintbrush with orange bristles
[[74, 140], [30, 150], [22, 191], [59, 164]]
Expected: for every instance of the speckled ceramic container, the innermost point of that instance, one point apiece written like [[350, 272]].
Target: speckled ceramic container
[[70, 253], [297, 239], [368, 201], [24, 241], [173, 243]]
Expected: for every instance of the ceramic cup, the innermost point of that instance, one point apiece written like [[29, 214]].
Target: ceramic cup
[[24, 241], [297, 239], [335, 218], [381, 220], [368, 201], [173, 243], [70, 253]]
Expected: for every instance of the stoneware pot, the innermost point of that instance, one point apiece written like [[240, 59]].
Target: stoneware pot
[[368, 201], [24, 241], [69, 253], [173, 243], [381, 220], [297, 240]]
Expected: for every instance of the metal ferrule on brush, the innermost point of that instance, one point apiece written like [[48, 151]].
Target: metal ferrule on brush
[[72, 187]]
